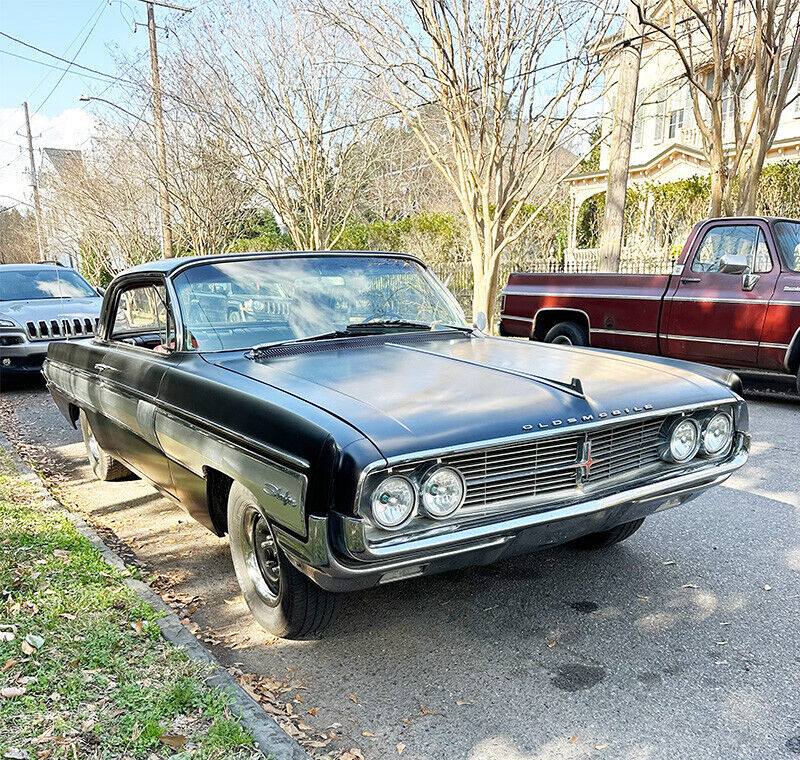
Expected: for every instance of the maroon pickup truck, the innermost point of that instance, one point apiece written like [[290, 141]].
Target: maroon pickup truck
[[733, 300]]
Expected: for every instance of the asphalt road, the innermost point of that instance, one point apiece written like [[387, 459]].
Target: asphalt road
[[683, 642]]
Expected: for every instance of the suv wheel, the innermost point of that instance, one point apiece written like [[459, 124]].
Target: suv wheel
[[567, 334]]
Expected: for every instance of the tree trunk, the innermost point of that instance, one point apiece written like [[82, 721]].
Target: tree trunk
[[748, 191]]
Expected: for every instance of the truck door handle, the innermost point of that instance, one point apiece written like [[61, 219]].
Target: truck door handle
[[686, 280], [100, 367]]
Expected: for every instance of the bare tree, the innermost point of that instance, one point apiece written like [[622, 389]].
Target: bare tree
[[490, 88], [739, 58], [276, 86]]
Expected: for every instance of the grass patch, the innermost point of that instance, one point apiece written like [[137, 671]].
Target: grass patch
[[84, 669]]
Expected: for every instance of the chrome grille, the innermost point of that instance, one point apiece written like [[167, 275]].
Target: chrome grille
[[546, 466], [75, 327]]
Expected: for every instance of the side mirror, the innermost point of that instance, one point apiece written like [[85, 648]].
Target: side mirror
[[734, 263], [480, 322], [100, 291]]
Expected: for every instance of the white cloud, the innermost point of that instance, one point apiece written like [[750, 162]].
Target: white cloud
[[70, 129]]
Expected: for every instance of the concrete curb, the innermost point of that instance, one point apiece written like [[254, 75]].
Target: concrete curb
[[273, 742]]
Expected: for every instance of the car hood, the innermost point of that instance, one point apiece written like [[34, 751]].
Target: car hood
[[409, 395], [50, 308]]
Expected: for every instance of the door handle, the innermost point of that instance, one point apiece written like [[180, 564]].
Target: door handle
[[686, 280], [100, 367]]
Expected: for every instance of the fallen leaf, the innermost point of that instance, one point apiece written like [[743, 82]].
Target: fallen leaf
[[298, 698], [767, 588], [15, 753], [367, 733], [68, 616], [600, 746], [400, 747], [551, 644], [27, 648], [353, 698], [9, 692], [573, 739], [10, 663], [137, 626], [61, 553], [721, 662], [176, 741], [7, 636], [35, 641], [313, 710], [461, 702]]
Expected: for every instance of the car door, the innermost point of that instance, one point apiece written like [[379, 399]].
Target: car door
[[714, 315], [138, 348]]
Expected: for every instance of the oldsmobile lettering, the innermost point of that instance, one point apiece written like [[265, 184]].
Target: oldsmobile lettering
[[339, 420]]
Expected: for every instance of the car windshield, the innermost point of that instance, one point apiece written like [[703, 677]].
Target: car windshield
[[50, 282], [241, 304], [788, 236]]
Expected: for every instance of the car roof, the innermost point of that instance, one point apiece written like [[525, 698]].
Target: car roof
[[167, 266], [34, 267]]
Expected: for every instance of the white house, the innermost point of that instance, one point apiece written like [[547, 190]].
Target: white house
[[667, 145]]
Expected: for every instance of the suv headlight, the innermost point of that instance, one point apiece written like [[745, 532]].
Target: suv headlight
[[717, 434], [393, 501], [443, 492], [683, 442]]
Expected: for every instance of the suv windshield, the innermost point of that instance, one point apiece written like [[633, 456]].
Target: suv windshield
[[49, 282], [241, 304], [788, 236]]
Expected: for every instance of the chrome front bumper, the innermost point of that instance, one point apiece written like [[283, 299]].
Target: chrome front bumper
[[337, 557]]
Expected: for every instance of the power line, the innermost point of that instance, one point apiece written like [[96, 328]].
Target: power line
[[72, 64], [103, 78]]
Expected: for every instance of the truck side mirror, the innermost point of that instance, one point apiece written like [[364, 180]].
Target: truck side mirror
[[734, 263]]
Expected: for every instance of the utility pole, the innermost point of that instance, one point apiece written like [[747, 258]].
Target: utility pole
[[630, 57], [37, 207], [161, 149]]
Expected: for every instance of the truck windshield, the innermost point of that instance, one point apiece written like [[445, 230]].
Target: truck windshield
[[788, 236], [50, 282], [251, 302]]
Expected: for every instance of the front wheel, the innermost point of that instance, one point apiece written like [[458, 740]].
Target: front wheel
[[606, 538], [103, 465], [283, 601], [567, 334]]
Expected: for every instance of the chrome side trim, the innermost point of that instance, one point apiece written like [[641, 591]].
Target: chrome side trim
[[518, 319], [631, 333], [697, 339], [623, 296]]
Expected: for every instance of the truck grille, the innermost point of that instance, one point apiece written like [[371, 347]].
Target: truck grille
[[546, 466], [54, 329]]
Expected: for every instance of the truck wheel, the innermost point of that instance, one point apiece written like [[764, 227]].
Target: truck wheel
[[103, 465], [567, 334], [610, 537], [283, 601]]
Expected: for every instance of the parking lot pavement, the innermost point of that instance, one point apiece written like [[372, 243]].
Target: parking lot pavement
[[683, 642]]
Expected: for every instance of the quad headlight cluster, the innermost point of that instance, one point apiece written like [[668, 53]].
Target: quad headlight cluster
[[688, 437], [396, 498]]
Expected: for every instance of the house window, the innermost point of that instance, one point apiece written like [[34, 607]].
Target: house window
[[661, 112], [675, 123]]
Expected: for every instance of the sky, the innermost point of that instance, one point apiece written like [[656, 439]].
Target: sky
[[101, 33]]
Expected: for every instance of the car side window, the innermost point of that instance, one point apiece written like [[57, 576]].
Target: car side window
[[731, 240], [143, 318]]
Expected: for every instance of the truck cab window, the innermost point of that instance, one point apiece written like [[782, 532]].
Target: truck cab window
[[732, 240], [143, 318]]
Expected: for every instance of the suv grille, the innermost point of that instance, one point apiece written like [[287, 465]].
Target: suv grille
[[83, 327], [531, 469]]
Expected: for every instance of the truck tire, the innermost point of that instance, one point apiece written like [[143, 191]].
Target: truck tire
[[567, 334], [282, 600], [606, 538], [103, 465]]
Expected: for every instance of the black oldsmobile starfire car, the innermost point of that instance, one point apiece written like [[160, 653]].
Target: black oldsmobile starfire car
[[363, 433]]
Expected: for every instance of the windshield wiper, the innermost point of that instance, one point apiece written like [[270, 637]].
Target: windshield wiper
[[305, 339], [378, 323]]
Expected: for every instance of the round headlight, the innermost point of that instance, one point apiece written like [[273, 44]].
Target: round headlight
[[718, 434], [684, 441], [393, 502], [443, 492]]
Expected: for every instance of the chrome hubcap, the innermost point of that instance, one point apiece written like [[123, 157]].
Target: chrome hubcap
[[261, 555], [94, 447]]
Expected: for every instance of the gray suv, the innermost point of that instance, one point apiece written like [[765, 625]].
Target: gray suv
[[40, 303]]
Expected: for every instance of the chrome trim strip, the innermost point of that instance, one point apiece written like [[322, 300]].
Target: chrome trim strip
[[632, 333], [791, 289], [623, 296], [779, 346], [727, 341], [518, 319], [705, 477]]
